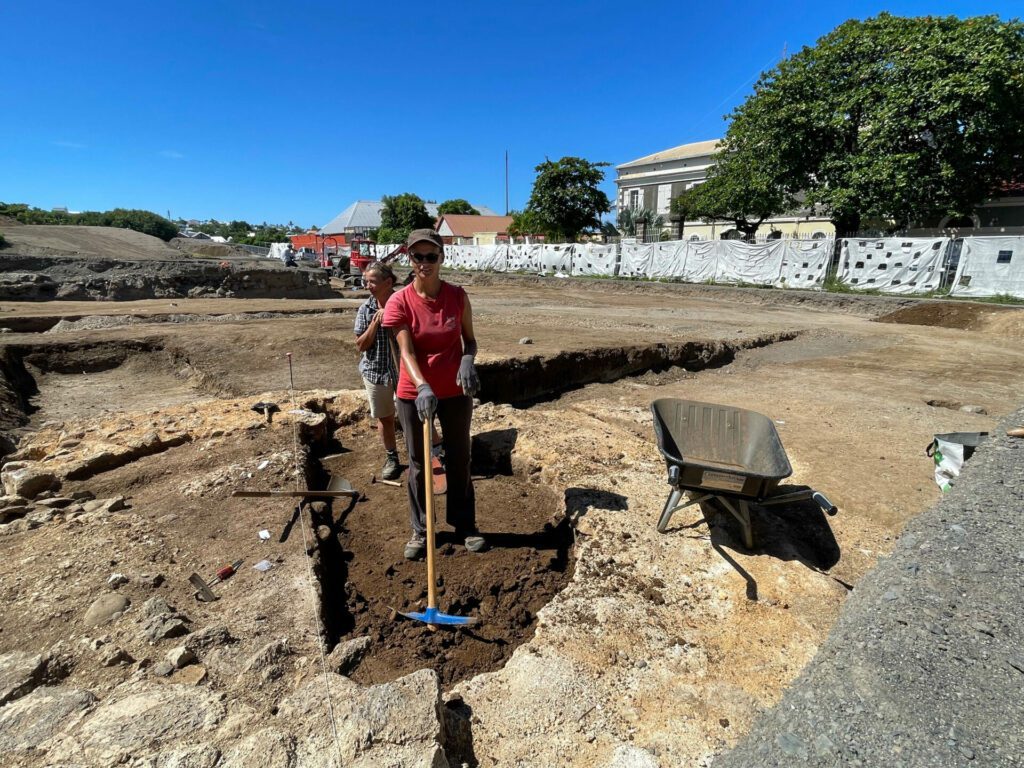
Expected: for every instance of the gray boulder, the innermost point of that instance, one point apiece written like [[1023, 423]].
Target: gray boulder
[[106, 608], [31, 721], [394, 724], [27, 480]]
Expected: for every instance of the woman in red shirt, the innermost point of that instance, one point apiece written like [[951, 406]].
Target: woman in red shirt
[[433, 324]]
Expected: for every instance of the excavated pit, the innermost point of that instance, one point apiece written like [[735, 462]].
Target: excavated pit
[[62, 382], [526, 381], [363, 576]]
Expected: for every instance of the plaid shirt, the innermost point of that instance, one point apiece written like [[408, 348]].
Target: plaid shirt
[[377, 364]]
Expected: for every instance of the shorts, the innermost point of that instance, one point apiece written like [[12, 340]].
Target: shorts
[[382, 399]]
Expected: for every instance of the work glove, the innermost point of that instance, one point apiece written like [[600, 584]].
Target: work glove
[[426, 401], [467, 377]]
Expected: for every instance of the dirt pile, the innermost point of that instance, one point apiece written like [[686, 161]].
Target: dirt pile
[[34, 278], [1004, 321], [86, 263]]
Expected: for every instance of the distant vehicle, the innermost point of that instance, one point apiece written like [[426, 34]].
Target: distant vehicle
[[362, 254]]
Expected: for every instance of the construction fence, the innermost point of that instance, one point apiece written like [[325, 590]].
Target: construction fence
[[970, 266]]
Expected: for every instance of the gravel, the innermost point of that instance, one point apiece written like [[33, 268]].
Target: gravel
[[925, 666]]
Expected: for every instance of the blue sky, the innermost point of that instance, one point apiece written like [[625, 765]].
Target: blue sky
[[275, 112]]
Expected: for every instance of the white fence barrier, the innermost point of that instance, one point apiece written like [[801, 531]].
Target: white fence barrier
[[901, 265], [893, 264], [990, 266]]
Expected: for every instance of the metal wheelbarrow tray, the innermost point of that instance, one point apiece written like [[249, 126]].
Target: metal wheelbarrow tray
[[724, 453]]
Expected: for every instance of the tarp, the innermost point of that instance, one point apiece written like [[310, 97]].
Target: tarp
[[990, 266], [593, 259], [668, 260], [701, 260], [556, 259], [752, 263], [635, 259], [893, 264], [805, 263]]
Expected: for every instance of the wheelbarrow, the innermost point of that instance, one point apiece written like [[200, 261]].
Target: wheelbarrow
[[730, 455]]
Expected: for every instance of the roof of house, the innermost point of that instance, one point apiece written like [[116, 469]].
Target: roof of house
[[467, 225], [365, 214], [683, 151]]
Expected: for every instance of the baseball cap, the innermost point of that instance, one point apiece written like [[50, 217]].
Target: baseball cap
[[424, 235]]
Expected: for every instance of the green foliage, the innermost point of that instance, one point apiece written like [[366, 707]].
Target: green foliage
[[565, 198], [400, 215], [457, 206], [3, 241], [743, 187], [526, 223], [141, 221], [902, 120], [633, 221]]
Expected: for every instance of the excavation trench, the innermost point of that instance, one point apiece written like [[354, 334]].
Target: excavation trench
[[526, 381], [362, 574]]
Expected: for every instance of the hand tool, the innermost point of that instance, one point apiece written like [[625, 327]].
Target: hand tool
[[432, 617]]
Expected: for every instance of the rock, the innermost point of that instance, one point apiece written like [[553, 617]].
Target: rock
[[193, 674], [143, 723], [13, 502], [628, 756], [20, 673], [267, 656], [158, 628], [83, 495], [105, 609], [978, 409], [346, 656], [181, 657], [197, 756], [163, 668], [151, 580], [395, 724], [115, 580], [157, 606], [115, 504], [39, 517], [27, 481], [209, 637], [268, 748], [526, 340], [32, 720], [57, 502], [113, 656]]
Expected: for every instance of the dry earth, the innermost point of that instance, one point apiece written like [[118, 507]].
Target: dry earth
[[602, 643]]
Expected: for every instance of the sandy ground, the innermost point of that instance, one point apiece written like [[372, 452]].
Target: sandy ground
[[661, 647]]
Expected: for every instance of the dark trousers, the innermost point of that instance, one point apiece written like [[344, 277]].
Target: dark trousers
[[455, 415]]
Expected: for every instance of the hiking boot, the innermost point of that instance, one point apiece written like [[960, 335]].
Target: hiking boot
[[415, 547], [392, 468], [476, 543]]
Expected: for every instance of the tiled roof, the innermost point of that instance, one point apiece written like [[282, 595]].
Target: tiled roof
[[681, 152], [463, 225], [365, 214]]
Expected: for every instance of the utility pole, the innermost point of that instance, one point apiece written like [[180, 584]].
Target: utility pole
[[506, 182]]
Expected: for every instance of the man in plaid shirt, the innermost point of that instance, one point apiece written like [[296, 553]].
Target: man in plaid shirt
[[377, 364]]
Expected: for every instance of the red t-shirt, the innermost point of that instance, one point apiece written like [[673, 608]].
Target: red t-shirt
[[436, 326]]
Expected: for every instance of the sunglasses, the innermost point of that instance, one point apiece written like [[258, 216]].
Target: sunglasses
[[430, 258]]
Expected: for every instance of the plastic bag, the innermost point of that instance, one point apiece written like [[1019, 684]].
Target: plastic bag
[[950, 451]]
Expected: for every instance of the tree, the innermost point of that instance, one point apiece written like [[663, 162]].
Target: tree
[[565, 197], [400, 215], [525, 223], [902, 120], [741, 189], [457, 205]]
